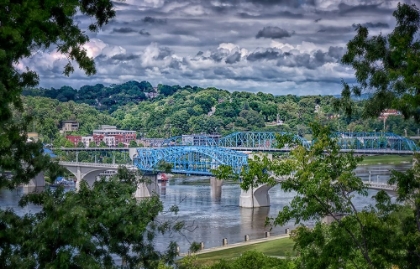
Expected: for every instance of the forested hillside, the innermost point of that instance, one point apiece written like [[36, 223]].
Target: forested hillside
[[106, 98], [184, 110], [48, 115]]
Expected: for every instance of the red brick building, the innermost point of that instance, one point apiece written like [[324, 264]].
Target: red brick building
[[75, 139], [107, 134]]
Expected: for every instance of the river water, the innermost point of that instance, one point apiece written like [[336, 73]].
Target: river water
[[212, 216]]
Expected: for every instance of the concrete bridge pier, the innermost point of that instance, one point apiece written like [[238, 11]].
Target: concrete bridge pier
[[37, 181], [36, 184], [89, 177], [148, 187], [255, 197], [216, 189]]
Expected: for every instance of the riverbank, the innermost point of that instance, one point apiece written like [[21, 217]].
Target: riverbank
[[275, 246], [386, 159]]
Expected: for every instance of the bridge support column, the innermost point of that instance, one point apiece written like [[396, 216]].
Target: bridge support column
[[92, 177], [36, 184], [37, 181], [148, 187], [331, 218], [78, 178], [216, 189], [255, 197]]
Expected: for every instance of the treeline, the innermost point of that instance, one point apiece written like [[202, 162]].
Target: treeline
[[105, 98], [49, 114]]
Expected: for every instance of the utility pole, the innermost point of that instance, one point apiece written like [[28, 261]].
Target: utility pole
[[384, 123], [170, 129]]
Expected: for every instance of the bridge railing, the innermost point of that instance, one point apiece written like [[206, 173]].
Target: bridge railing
[[90, 164]]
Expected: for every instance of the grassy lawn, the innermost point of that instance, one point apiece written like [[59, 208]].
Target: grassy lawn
[[279, 247], [387, 159]]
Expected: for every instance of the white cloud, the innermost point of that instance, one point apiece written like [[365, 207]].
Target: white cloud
[[228, 46], [94, 47]]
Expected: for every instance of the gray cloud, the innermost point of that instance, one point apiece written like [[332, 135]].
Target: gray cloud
[[336, 52], [229, 44], [153, 20], [373, 25], [335, 29], [124, 30], [273, 32], [269, 54], [363, 8], [163, 53], [233, 58], [144, 32], [124, 57], [289, 3], [269, 14]]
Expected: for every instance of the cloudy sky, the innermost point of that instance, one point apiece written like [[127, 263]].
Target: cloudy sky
[[272, 46]]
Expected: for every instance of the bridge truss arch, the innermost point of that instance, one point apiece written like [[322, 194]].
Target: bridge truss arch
[[374, 141], [236, 140], [194, 160], [198, 140], [265, 140]]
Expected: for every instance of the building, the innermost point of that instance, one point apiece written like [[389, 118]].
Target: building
[[151, 142], [389, 112], [75, 139], [33, 136], [108, 134], [69, 126], [86, 140], [200, 139], [112, 136]]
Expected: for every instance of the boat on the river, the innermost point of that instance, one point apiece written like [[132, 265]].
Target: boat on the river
[[62, 181], [162, 177]]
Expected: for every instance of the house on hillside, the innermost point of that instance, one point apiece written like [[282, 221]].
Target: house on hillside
[[389, 112], [69, 126]]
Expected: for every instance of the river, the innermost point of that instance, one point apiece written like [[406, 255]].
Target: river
[[211, 217]]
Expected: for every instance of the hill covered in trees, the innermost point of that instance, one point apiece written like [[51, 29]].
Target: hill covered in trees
[[106, 98], [176, 110]]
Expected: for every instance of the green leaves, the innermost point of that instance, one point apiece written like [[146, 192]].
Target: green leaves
[[387, 66], [88, 228], [25, 27]]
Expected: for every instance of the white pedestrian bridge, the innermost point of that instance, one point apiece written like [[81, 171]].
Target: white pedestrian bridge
[[259, 196], [90, 172]]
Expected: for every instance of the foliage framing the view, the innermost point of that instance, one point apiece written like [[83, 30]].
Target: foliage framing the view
[[90, 228], [95, 227], [387, 67], [25, 27]]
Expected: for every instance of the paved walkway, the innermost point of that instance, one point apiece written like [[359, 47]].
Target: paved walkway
[[240, 244]]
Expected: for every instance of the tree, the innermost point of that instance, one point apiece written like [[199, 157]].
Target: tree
[[92, 228], [132, 144], [387, 66], [25, 27], [80, 144], [380, 236], [83, 229], [92, 144]]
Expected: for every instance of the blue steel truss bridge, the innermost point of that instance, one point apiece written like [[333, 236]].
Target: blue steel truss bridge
[[192, 160], [244, 141], [375, 142], [359, 142], [199, 156]]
